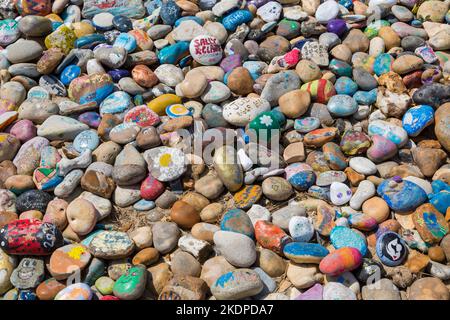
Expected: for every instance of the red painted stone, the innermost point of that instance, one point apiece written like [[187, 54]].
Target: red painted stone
[[109, 298], [30, 237], [340, 261], [151, 188], [143, 116], [271, 236]]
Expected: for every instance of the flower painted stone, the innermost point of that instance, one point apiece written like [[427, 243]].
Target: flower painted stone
[[165, 164], [391, 249], [30, 237], [67, 260], [131, 285], [265, 125]]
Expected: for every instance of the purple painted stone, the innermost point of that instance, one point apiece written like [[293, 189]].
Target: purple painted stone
[[337, 26], [23, 130], [91, 118], [313, 293], [117, 74], [231, 62], [382, 149]]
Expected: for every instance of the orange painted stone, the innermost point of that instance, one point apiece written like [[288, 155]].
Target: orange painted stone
[[340, 261], [247, 196], [324, 221], [271, 236], [48, 289], [67, 260]]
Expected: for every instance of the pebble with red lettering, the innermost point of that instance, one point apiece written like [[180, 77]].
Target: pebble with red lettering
[[206, 50]]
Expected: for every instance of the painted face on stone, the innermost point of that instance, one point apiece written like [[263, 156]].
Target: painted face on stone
[[132, 276], [29, 268]]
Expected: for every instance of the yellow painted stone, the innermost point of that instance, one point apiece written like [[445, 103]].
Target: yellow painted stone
[[62, 38], [160, 103], [54, 17], [82, 29]]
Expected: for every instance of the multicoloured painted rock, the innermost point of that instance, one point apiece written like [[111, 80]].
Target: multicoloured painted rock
[[131, 285], [68, 260], [34, 7], [401, 195], [304, 252], [430, 223], [9, 31], [324, 221], [76, 291], [391, 249], [321, 90], [62, 38], [30, 237], [238, 221], [300, 175], [46, 179], [160, 103], [345, 237], [271, 236], [111, 245], [362, 221], [142, 116], [354, 142], [94, 87], [129, 8], [383, 64], [340, 261], [247, 196]]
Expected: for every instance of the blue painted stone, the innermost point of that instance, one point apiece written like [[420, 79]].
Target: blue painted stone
[[299, 44], [86, 241], [116, 102], [27, 295], [173, 53], [417, 23], [319, 192], [345, 85], [417, 118], [126, 41], [237, 220], [440, 198], [348, 4], [117, 74], [56, 25], [304, 252], [303, 180], [144, 205], [340, 68], [337, 26], [69, 73], [122, 23], [91, 118], [170, 12], [401, 195], [52, 183], [152, 5], [279, 116], [307, 124], [87, 139], [391, 249], [187, 18], [89, 41], [383, 64], [342, 105], [366, 97], [236, 18], [254, 68], [345, 237]]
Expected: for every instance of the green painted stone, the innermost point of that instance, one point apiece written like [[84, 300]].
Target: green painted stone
[[372, 29], [264, 123], [131, 285]]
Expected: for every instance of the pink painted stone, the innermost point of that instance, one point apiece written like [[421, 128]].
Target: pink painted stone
[[341, 260], [151, 188], [381, 149], [313, 293], [362, 221], [23, 130]]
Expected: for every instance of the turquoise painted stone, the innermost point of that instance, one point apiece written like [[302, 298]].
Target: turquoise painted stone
[[440, 198], [173, 53], [345, 237], [401, 195], [236, 18], [90, 40], [126, 41], [307, 124], [304, 252], [9, 31], [392, 132], [116, 102], [237, 220], [264, 124], [417, 118], [342, 105], [144, 205], [345, 85], [85, 140], [383, 64], [366, 97], [340, 68]]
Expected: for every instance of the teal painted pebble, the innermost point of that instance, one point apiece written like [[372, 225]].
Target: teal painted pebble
[[345, 237], [86, 140], [392, 132], [383, 64], [144, 205], [237, 220], [69, 73], [366, 97], [304, 252], [340, 68], [345, 85], [116, 102], [307, 124], [126, 41]]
